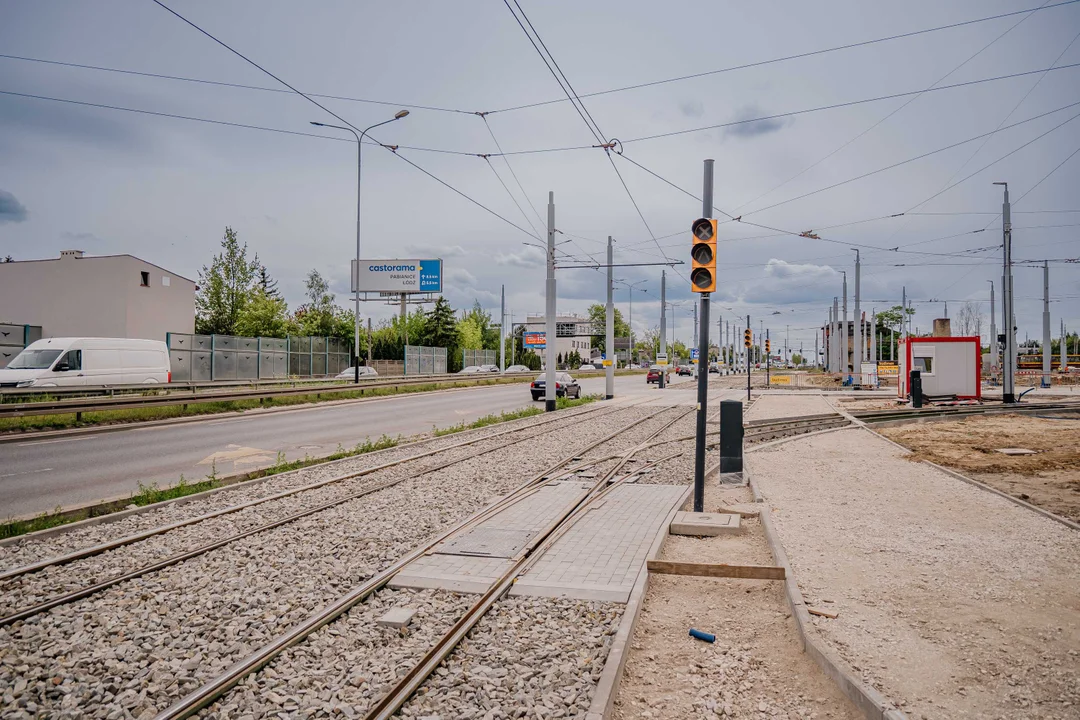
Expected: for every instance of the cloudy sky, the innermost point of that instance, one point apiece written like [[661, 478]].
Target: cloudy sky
[[163, 188]]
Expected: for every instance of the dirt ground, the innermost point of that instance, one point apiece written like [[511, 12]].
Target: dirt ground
[[879, 403], [1049, 479], [756, 668]]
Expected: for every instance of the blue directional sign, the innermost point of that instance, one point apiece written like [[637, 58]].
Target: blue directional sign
[[693, 353]]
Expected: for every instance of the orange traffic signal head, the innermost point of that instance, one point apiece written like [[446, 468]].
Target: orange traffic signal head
[[703, 255]]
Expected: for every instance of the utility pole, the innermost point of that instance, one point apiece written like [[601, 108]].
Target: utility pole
[[1063, 347], [368, 344], [1008, 394], [872, 354], [404, 320], [609, 336], [1046, 325], [859, 343], [993, 332], [502, 330], [663, 326], [834, 340], [768, 357], [549, 321], [513, 340], [844, 332], [703, 359]]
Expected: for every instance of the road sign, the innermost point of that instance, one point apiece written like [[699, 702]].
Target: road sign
[[535, 340], [607, 363], [397, 276], [693, 353], [661, 358], [780, 380]]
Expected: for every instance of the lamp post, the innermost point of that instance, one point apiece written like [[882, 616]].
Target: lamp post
[[630, 287], [356, 290]]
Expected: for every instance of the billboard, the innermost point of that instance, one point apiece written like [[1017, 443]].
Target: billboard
[[535, 339], [397, 276]]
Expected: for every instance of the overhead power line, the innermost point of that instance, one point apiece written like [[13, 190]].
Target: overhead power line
[[786, 58], [849, 103], [338, 117]]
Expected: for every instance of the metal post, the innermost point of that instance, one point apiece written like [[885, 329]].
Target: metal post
[[703, 357], [768, 359], [858, 354], [1009, 364], [609, 335], [993, 332], [630, 355], [1046, 325], [502, 330], [368, 343], [663, 324], [1062, 347], [356, 280], [549, 344], [731, 437]]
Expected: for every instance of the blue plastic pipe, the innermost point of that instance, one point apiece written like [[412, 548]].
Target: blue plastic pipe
[[707, 637]]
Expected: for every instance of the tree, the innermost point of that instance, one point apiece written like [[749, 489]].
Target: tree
[[319, 315], [225, 287], [440, 330], [890, 319], [267, 283], [263, 316], [797, 359], [969, 321], [598, 318]]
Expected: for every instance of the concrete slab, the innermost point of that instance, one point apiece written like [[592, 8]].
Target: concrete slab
[[397, 618], [599, 558], [1015, 451], [704, 524]]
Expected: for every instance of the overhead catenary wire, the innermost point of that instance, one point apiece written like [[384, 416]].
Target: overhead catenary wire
[[335, 115], [786, 58]]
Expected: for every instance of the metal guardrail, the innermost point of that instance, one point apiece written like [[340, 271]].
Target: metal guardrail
[[6, 394], [193, 396]]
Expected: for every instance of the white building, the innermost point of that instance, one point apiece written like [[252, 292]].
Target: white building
[[568, 337], [107, 296]]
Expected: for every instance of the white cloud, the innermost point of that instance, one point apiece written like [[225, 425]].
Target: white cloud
[[527, 257]]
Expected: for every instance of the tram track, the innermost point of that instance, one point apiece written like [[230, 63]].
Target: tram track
[[91, 588], [392, 700]]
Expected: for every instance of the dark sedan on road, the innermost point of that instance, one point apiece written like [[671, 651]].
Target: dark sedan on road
[[565, 386]]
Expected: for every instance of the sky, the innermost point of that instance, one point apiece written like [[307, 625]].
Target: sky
[[913, 172]]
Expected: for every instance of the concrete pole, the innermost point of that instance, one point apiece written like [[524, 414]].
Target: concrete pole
[[1064, 348], [834, 339], [858, 354], [663, 324], [404, 319], [502, 330], [993, 332], [844, 332], [609, 335], [1008, 393], [874, 352], [1046, 325], [549, 343]]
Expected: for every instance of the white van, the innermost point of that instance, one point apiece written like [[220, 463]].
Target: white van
[[65, 362]]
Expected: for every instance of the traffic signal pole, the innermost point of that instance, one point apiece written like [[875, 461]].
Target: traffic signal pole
[[609, 335], [703, 356], [746, 345], [663, 322], [549, 341], [768, 357]]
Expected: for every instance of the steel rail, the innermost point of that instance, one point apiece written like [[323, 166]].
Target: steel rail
[[215, 688], [145, 534], [89, 590], [392, 700]]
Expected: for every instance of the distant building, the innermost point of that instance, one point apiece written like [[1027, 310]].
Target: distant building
[[567, 334], [106, 296]]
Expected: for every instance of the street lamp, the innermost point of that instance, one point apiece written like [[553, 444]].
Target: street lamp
[[630, 287], [356, 291]]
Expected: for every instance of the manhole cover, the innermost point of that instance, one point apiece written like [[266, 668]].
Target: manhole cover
[[487, 542], [1015, 451]]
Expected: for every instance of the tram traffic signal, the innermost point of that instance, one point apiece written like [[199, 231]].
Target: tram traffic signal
[[768, 347], [747, 338], [703, 256]]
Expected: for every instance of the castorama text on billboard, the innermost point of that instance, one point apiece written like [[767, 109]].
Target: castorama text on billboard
[[397, 276]]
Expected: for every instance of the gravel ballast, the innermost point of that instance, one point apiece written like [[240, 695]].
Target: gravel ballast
[[32, 549], [952, 601], [141, 645]]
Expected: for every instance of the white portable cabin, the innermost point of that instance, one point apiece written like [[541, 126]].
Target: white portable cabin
[[948, 365]]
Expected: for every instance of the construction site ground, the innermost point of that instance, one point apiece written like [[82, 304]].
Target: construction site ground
[[1050, 478]]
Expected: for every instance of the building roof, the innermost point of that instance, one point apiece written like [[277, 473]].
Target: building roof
[[103, 257]]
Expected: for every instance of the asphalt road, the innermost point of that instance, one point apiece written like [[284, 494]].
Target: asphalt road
[[40, 475]]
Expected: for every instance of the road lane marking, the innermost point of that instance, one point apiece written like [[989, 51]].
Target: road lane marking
[[49, 442], [28, 472]]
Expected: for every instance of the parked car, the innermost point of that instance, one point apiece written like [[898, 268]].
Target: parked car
[[66, 362], [654, 374], [489, 368], [565, 386], [685, 370], [587, 366], [350, 373], [714, 367], [517, 369], [470, 370]]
